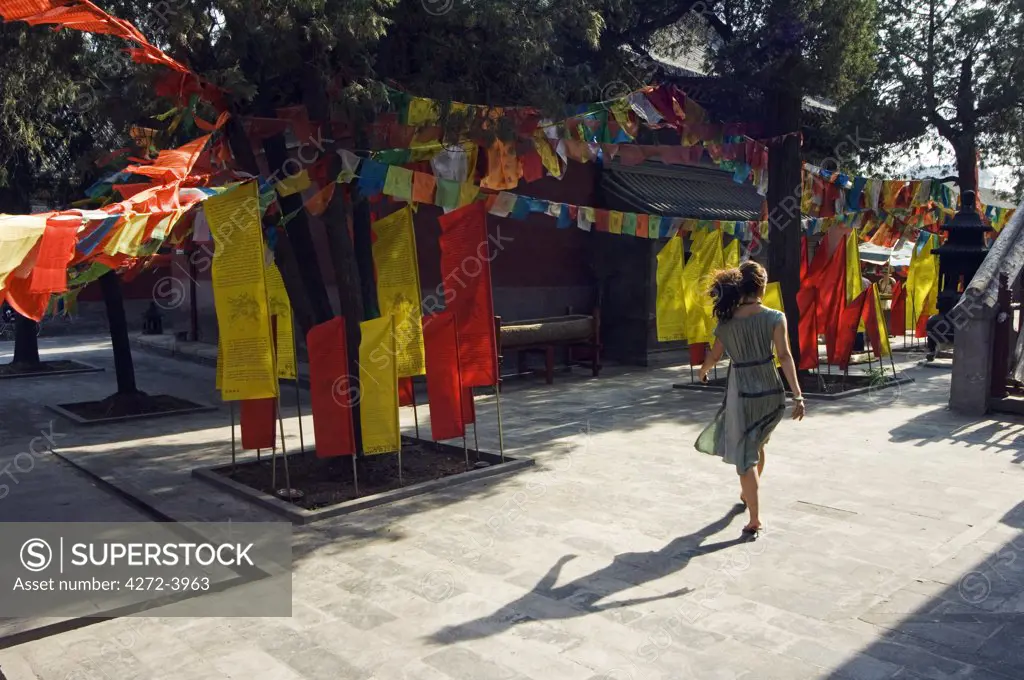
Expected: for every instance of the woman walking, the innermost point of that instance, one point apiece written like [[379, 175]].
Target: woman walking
[[755, 399]]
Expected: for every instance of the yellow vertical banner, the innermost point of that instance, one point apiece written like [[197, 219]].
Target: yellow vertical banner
[[670, 310], [732, 254], [773, 300], [398, 288], [922, 284], [246, 355], [854, 279], [378, 387], [281, 307], [883, 330], [706, 255]]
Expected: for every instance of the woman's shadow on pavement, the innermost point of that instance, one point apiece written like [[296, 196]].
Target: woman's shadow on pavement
[[586, 591]]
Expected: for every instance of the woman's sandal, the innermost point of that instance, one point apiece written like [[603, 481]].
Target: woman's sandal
[[753, 532]]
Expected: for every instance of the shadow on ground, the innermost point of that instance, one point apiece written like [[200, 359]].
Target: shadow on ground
[[582, 595]]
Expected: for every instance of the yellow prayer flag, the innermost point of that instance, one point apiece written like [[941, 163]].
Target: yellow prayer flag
[[293, 184], [240, 295], [378, 387], [18, 236], [547, 154], [670, 308], [281, 308], [129, 237], [468, 193], [422, 112], [615, 222], [398, 288]]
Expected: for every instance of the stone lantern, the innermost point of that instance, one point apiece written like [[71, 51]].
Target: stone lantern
[[959, 259]]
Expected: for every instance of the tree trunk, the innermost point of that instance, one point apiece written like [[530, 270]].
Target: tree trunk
[[967, 166], [784, 193], [284, 255], [110, 285], [299, 234], [26, 342]]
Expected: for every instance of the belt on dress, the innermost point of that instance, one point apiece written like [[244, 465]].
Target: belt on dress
[[748, 364]]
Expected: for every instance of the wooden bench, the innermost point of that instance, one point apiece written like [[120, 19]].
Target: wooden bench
[[543, 336]]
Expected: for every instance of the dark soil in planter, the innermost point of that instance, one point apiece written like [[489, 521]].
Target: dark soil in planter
[[822, 383], [42, 368], [328, 481], [121, 405]]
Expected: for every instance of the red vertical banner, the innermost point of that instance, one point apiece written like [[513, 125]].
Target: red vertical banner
[[466, 276], [468, 406], [807, 333], [698, 350], [898, 310], [405, 394], [330, 389], [803, 258], [846, 330], [444, 387], [258, 418]]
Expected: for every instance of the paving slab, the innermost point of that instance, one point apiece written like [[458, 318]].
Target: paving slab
[[893, 527]]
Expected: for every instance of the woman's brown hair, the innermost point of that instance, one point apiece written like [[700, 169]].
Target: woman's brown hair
[[730, 286]]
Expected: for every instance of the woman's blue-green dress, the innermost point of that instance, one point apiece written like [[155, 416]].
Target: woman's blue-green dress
[[755, 398]]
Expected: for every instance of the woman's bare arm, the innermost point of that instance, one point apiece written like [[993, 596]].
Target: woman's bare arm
[[781, 339], [713, 357]]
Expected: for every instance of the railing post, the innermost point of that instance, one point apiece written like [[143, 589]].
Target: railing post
[[1001, 340]]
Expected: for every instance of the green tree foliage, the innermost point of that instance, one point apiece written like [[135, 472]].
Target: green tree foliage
[[951, 68]]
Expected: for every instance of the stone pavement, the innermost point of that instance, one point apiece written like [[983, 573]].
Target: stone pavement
[[891, 551]]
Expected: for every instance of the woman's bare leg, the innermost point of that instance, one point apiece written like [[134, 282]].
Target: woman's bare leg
[[760, 473], [750, 482]]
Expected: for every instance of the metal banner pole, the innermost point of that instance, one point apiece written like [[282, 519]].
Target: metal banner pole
[[400, 483], [284, 453], [476, 442], [465, 448], [231, 406], [298, 411], [501, 432], [415, 413], [355, 474]]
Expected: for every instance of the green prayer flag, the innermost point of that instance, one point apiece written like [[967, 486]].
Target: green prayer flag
[[447, 195], [629, 224], [398, 183]]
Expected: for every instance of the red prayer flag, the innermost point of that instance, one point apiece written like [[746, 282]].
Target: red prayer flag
[[30, 305], [330, 389], [259, 417], [466, 271], [56, 248], [444, 386], [533, 167], [643, 226]]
